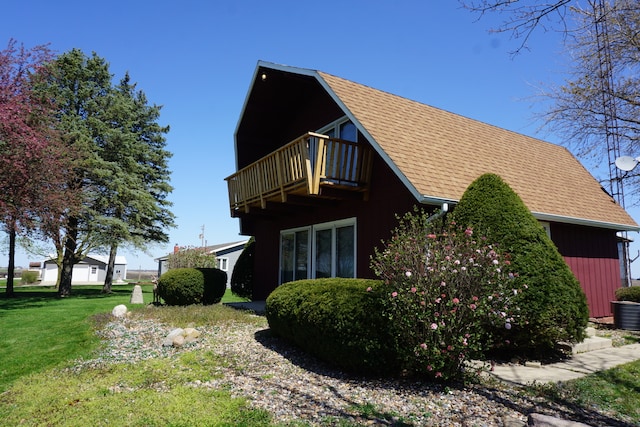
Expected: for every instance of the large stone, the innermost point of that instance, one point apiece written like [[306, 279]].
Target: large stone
[[539, 420], [136, 295], [178, 341], [119, 310], [168, 340]]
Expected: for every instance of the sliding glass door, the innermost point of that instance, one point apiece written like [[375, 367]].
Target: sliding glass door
[[333, 251]]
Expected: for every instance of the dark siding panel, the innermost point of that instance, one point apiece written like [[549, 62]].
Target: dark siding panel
[[592, 255], [375, 220]]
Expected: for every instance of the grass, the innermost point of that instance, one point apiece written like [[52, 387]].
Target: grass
[[39, 331], [41, 335]]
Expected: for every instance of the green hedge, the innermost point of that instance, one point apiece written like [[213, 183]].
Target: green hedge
[[186, 286], [554, 307], [628, 294], [215, 285], [338, 320], [242, 274], [181, 286]]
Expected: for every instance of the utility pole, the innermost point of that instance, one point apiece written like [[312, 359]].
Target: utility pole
[[202, 237]]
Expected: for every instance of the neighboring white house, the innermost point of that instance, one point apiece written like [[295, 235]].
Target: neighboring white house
[[92, 269], [226, 253]]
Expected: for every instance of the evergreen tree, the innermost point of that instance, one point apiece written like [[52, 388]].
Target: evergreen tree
[[242, 275], [553, 307], [121, 173]]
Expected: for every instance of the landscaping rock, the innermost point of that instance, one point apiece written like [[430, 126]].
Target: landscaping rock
[[119, 310], [539, 420], [178, 341], [136, 295], [179, 337]]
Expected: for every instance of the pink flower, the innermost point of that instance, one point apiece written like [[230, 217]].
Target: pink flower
[[423, 303], [438, 374], [468, 231], [414, 290], [408, 274], [429, 368], [369, 289], [431, 236], [437, 300], [473, 307], [475, 298], [423, 346], [394, 294], [456, 301], [434, 326], [456, 262]]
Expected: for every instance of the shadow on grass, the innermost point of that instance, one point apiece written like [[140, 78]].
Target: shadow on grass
[[32, 297]]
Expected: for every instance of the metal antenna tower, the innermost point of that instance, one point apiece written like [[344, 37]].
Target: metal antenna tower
[[610, 120], [609, 112]]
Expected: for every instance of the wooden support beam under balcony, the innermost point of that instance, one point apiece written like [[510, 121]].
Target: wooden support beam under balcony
[[302, 168]]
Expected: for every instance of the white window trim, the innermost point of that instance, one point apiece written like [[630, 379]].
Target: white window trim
[[224, 260], [293, 231], [311, 252], [547, 227], [335, 126]]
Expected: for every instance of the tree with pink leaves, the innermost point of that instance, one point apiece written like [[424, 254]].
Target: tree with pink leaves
[[30, 161]]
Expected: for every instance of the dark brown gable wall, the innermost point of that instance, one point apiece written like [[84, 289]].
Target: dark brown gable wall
[[592, 255], [375, 219]]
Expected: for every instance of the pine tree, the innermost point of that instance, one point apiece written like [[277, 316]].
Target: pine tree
[[554, 307]]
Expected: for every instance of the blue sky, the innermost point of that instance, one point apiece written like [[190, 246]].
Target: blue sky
[[196, 58]]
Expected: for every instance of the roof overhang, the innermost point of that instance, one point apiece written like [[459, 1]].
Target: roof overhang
[[541, 216]]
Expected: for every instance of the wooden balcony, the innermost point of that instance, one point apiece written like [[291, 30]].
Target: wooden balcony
[[304, 167]]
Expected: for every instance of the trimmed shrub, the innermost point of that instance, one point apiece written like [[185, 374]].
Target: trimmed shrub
[[242, 275], [338, 320], [215, 285], [554, 307], [628, 294], [444, 290], [29, 277], [181, 286]]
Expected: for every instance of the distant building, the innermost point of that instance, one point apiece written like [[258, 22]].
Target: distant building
[[92, 269], [226, 253]]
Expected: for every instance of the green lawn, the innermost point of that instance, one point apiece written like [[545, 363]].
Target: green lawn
[[40, 333], [38, 330]]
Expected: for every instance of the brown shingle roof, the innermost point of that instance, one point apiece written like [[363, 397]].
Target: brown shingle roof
[[438, 154]]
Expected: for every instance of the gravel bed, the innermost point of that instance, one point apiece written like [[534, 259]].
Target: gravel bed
[[293, 386]]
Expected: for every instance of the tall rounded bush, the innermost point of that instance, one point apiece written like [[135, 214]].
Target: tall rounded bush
[[554, 307], [338, 320], [215, 285], [242, 275], [181, 286], [445, 290]]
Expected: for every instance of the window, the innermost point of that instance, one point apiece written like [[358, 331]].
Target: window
[[94, 269], [333, 251], [294, 255], [341, 162], [342, 129], [223, 264]]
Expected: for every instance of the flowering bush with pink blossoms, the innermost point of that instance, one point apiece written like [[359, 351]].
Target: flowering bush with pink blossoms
[[448, 290]]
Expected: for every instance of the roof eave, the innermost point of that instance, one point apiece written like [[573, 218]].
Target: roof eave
[[587, 222]]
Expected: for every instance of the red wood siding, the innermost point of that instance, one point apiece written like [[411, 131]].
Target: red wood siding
[[375, 220], [592, 255], [599, 278]]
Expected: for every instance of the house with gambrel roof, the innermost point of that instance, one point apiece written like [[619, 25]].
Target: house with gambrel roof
[[324, 165]]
